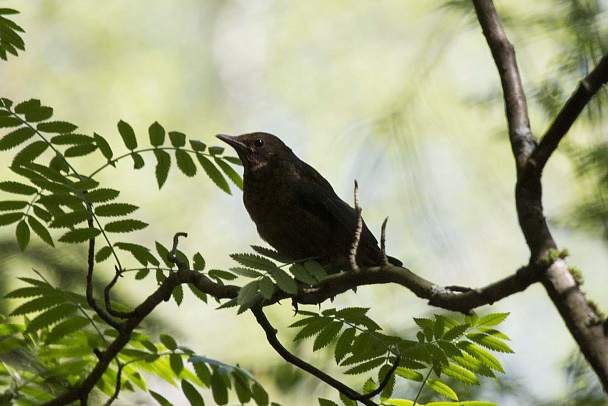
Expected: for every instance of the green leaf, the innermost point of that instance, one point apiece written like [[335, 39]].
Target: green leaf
[[40, 230], [177, 139], [30, 153], [442, 389], [246, 272], [66, 328], [231, 173], [128, 135], [313, 327], [101, 195], [71, 219], [125, 226], [326, 336], [103, 254], [270, 253], [285, 282], [327, 402], [70, 139], [168, 342], [11, 205], [178, 294], [157, 134], [461, 374], [409, 374], [490, 342], [141, 253], [493, 319], [315, 270], [5, 103], [302, 275], [344, 344], [219, 388], [17, 188], [9, 121], [198, 262], [38, 304], [248, 292], [202, 371], [56, 127], [254, 261], [17, 137], [138, 160], [51, 316], [26, 106], [241, 386], [455, 332], [115, 209], [160, 399], [163, 165], [482, 355], [192, 394], [23, 235], [177, 363], [40, 114], [79, 150], [10, 218], [79, 235], [197, 145], [185, 163], [216, 150], [214, 174], [365, 366], [266, 287], [103, 146]]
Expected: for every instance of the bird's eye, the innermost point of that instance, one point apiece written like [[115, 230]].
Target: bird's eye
[[258, 143]]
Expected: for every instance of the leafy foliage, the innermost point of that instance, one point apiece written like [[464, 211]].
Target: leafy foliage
[[443, 347], [10, 40]]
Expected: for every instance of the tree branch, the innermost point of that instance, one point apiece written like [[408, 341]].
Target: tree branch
[[522, 141], [530, 160], [587, 88]]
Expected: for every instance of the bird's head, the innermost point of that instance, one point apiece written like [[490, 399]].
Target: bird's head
[[256, 150]]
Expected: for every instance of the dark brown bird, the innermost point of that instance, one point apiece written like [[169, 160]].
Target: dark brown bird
[[295, 209]]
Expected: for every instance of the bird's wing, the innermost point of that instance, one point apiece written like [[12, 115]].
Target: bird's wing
[[315, 195]]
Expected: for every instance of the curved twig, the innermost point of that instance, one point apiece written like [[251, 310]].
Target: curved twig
[[271, 335]]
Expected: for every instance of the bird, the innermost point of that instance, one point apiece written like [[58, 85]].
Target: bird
[[296, 210]]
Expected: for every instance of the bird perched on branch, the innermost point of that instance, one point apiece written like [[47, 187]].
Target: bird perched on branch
[[295, 209]]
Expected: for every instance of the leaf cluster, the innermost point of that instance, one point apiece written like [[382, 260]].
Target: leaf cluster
[[10, 38], [443, 347]]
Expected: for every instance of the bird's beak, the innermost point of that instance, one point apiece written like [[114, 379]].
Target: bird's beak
[[232, 141]]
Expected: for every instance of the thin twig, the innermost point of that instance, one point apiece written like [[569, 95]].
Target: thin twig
[[383, 242], [271, 336], [353, 250]]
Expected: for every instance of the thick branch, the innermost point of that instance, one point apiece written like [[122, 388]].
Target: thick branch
[[445, 298], [530, 160]]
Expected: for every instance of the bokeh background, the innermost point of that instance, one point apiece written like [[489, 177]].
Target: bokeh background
[[401, 95]]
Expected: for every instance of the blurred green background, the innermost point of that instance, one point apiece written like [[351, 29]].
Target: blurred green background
[[401, 95]]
